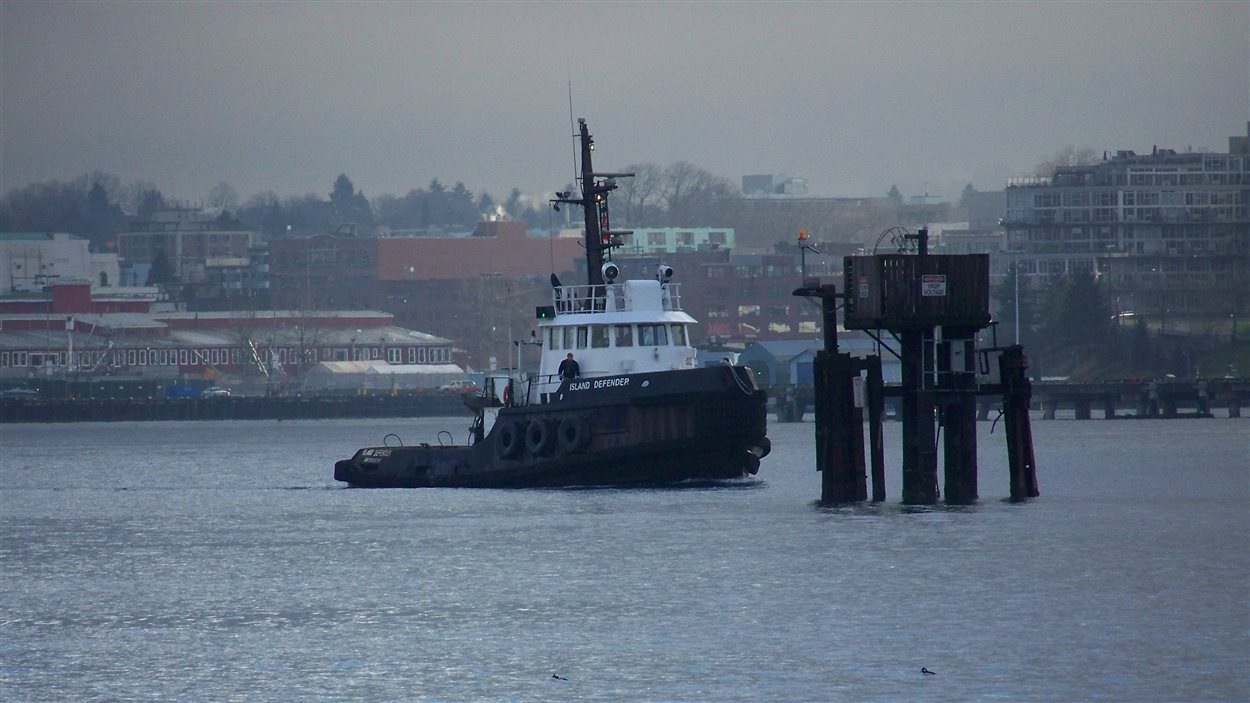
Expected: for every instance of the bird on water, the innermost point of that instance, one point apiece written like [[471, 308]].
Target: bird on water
[[558, 677], [925, 670]]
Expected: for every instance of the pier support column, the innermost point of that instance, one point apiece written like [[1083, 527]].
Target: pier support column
[[1082, 409], [1234, 406], [1017, 392], [957, 384], [959, 428], [839, 430], [919, 436], [875, 388], [1108, 409]]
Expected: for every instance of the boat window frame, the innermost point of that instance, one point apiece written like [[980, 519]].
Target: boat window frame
[[599, 337], [583, 336], [658, 335], [623, 336], [553, 338], [679, 331]]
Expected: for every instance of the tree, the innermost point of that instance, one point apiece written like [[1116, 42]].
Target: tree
[[223, 196], [895, 194], [640, 195], [150, 201], [1007, 302], [162, 271], [1067, 156], [349, 206]]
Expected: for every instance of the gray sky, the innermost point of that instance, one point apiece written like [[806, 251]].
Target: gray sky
[[851, 96]]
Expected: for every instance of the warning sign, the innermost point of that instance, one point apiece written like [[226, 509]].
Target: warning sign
[[933, 285]]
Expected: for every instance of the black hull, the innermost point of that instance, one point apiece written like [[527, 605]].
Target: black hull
[[652, 429]]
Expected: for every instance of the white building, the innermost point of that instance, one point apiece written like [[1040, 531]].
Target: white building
[[31, 260]]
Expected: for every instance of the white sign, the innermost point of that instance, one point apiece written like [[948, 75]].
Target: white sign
[[933, 285]]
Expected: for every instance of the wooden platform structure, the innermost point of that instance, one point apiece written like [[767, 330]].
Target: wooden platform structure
[[933, 307]]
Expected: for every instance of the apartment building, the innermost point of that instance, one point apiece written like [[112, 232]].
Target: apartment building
[[1167, 232]]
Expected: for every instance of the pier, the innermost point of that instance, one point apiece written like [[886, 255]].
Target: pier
[[932, 306]]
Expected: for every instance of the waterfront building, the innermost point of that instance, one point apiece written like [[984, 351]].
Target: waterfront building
[[69, 332], [31, 260], [200, 245], [673, 240], [1167, 232]]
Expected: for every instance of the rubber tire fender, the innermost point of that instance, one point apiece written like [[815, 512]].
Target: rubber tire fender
[[573, 434], [509, 439], [539, 438]]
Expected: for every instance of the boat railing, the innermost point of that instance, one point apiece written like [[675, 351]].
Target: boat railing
[[610, 297]]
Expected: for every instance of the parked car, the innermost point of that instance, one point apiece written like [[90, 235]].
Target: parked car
[[459, 387], [215, 392]]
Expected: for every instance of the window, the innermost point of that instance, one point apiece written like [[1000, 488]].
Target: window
[[4, 358], [716, 237], [652, 335], [748, 310], [184, 356], [421, 356], [553, 338], [582, 333], [393, 355], [375, 353], [599, 336], [624, 335], [143, 357], [570, 337], [131, 357], [657, 238], [679, 335], [685, 239]]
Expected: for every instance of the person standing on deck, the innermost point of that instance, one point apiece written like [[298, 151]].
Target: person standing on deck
[[569, 368]]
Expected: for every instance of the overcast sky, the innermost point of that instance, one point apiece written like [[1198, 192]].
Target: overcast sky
[[853, 97]]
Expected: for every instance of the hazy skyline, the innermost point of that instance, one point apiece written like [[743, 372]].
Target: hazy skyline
[[853, 97]]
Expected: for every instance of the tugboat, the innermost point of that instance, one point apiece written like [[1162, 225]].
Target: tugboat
[[618, 399]]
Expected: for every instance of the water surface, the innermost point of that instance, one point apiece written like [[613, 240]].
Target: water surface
[[220, 561]]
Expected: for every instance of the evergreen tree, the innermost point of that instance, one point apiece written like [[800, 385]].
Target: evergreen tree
[[162, 271]]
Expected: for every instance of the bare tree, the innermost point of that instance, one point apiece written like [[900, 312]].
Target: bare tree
[[640, 195], [223, 196], [1067, 156]]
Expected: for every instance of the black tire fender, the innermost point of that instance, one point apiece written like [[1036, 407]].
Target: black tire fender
[[539, 438], [573, 434], [508, 439]]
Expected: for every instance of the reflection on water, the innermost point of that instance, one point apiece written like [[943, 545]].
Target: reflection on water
[[218, 561]]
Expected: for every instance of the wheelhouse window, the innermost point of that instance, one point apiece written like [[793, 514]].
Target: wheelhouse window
[[679, 335], [553, 338], [582, 333], [599, 336], [653, 335], [624, 335]]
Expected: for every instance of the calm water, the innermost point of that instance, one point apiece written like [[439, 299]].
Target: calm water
[[219, 561]]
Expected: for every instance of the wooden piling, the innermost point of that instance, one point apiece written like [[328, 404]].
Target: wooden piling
[[875, 391], [957, 387], [839, 430], [1017, 393], [919, 436]]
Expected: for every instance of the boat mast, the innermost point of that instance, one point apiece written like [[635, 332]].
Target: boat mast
[[598, 238]]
